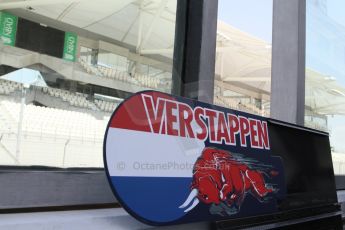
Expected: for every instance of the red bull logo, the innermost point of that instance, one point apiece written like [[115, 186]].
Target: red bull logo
[[172, 160], [219, 178]]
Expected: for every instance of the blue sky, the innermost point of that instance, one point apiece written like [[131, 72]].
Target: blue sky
[[336, 10], [251, 16], [255, 16]]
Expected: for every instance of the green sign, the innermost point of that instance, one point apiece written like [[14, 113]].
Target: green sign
[[8, 28], [70, 46]]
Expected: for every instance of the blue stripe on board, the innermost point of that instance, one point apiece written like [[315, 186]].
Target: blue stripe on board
[[163, 196]]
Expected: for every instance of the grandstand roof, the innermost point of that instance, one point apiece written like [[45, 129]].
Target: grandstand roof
[[243, 61], [121, 20]]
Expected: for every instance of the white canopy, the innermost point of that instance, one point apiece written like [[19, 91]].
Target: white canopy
[[324, 95], [148, 25], [242, 58], [26, 77], [243, 62]]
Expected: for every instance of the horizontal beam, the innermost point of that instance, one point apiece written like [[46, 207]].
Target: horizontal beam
[[157, 51], [244, 89], [248, 79], [24, 4], [223, 49]]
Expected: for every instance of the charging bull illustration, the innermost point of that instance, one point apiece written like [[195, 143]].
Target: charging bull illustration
[[221, 180]]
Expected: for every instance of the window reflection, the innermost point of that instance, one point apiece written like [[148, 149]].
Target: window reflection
[[325, 74], [64, 68], [243, 58]]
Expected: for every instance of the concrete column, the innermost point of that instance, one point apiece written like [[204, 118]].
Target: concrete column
[[288, 61], [195, 49]]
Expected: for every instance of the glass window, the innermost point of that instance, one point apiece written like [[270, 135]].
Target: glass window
[[325, 74], [65, 67], [243, 58]]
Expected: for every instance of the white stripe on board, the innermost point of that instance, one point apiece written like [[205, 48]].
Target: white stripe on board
[[136, 153]]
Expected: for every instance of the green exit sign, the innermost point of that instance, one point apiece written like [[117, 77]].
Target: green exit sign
[[70, 46], [8, 28]]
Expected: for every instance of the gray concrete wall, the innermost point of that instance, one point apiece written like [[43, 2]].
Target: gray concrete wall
[[208, 51], [30, 188], [288, 61], [195, 49]]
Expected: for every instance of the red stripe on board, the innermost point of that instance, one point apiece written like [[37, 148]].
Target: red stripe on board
[[131, 113]]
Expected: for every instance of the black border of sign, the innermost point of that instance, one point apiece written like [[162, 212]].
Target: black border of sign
[[132, 213]]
